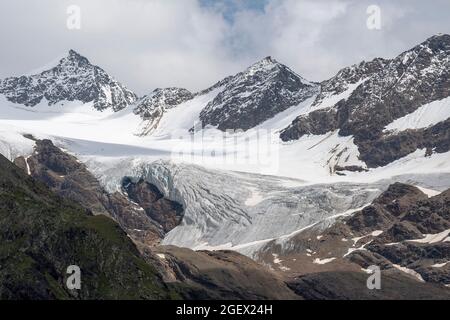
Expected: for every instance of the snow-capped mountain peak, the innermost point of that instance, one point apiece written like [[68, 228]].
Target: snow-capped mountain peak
[[73, 78], [255, 95], [270, 66], [268, 63]]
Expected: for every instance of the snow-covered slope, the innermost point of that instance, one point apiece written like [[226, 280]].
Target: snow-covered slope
[[70, 119], [13, 144], [428, 115], [177, 121], [112, 136], [159, 123]]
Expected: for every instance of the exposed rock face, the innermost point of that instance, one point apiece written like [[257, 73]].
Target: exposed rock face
[[256, 95], [417, 237], [74, 78], [41, 234], [347, 77], [65, 175], [161, 99], [388, 148], [221, 275], [403, 230], [385, 209], [141, 209], [238, 277], [168, 214], [388, 90], [152, 107]]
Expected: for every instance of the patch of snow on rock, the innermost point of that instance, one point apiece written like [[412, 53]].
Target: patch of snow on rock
[[323, 261]]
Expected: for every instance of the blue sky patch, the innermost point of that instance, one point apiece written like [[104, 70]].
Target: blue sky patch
[[230, 7]]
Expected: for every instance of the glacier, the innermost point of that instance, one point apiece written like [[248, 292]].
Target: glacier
[[227, 210]]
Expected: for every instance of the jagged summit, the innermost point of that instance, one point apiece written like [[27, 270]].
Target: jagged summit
[[435, 45], [73, 78], [270, 59], [266, 62], [270, 64], [75, 56]]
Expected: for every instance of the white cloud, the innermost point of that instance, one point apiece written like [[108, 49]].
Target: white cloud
[[145, 44], [292, 31], [318, 38]]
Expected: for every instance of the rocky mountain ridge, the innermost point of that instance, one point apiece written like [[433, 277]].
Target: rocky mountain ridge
[[74, 78], [386, 90]]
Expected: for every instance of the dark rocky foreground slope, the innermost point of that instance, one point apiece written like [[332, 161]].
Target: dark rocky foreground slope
[[416, 233], [221, 275], [42, 234]]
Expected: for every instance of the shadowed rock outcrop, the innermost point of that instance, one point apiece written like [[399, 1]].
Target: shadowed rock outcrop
[[141, 209]]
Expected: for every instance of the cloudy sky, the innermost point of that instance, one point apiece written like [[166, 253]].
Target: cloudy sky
[[193, 43]]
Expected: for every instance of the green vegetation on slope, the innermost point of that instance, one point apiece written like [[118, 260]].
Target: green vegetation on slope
[[42, 234]]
